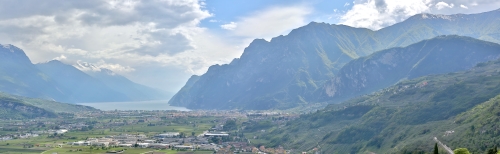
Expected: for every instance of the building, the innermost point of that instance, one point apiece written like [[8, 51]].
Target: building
[[167, 135], [216, 135]]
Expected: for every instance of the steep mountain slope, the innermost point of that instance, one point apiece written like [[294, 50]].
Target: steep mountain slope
[[50, 106], [439, 55], [286, 71], [135, 91], [18, 107], [82, 87], [453, 107], [19, 76]]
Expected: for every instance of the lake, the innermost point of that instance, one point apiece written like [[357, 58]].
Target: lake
[[139, 105]]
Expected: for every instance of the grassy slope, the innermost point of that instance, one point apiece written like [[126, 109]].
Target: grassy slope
[[51, 106], [404, 117]]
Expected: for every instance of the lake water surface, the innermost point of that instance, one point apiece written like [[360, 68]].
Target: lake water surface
[[139, 105]]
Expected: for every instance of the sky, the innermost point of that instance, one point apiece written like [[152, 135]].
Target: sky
[[161, 43]]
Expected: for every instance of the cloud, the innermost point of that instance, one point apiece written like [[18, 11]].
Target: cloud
[[347, 4], [377, 14], [442, 5], [271, 22], [91, 27], [60, 58], [229, 26]]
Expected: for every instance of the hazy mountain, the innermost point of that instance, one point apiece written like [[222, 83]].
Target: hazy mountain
[[286, 71], [19, 76], [82, 87], [460, 108], [57, 81], [134, 91], [443, 54]]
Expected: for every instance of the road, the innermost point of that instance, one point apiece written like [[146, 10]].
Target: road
[[444, 146]]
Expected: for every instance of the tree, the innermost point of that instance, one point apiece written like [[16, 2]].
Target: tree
[[461, 151], [230, 125], [493, 150], [436, 151]]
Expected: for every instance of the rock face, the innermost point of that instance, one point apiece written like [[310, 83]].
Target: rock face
[[382, 69], [291, 70]]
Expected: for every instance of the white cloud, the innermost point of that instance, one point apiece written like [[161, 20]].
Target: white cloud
[[442, 5], [229, 26], [347, 4], [376, 14], [271, 22], [96, 28], [60, 58]]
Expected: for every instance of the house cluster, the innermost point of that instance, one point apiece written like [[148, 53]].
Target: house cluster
[[73, 126], [173, 139], [160, 141], [51, 131], [5, 138], [117, 141], [18, 136], [27, 135]]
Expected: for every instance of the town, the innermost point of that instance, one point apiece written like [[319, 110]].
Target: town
[[143, 131]]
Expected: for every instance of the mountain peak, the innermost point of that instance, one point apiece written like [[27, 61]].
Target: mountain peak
[[86, 67], [107, 71], [7, 46], [11, 52], [54, 62], [11, 48], [434, 16]]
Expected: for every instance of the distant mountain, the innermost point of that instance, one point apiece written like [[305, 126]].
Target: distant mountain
[[134, 91], [19, 76], [461, 109], [288, 71], [57, 81], [82, 87], [382, 69]]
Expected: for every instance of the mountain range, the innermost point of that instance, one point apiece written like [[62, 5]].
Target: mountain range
[[460, 108], [61, 82], [299, 68], [384, 68]]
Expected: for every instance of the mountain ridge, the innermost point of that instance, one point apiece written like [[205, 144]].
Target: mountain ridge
[[287, 71], [54, 80], [439, 55]]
